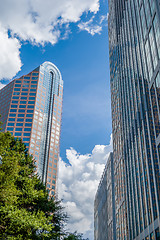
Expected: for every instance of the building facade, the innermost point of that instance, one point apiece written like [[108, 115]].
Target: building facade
[[30, 109], [104, 205], [134, 51]]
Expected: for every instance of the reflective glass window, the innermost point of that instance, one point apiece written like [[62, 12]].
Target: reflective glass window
[[21, 110], [19, 124], [13, 110], [27, 129], [26, 139], [11, 119], [27, 134], [13, 106], [11, 124], [18, 129], [24, 98], [21, 115], [18, 134], [9, 129], [22, 106], [12, 115], [28, 124], [29, 111], [20, 119]]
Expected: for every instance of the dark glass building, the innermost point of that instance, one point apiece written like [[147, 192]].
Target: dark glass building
[[104, 205], [31, 108], [134, 51]]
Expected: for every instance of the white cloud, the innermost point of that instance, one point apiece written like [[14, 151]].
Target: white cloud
[[1, 85], [39, 22], [78, 184], [10, 62], [92, 27]]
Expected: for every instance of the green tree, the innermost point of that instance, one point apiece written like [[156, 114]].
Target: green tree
[[26, 211], [74, 236]]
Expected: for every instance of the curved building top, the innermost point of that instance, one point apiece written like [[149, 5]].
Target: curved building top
[[47, 67]]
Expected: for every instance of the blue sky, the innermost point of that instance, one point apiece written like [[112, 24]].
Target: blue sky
[[75, 39]]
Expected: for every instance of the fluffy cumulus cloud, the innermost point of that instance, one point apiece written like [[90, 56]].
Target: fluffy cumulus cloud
[[92, 27], [77, 186], [39, 22], [10, 62]]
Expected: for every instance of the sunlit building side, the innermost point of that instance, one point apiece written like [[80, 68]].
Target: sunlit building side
[[31, 109]]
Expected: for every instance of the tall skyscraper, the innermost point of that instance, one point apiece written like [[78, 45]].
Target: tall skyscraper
[[134, 51], [31, 108], [104, 205]]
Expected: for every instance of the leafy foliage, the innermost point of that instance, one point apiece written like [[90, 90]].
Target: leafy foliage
[[74, 236], [26, 211]]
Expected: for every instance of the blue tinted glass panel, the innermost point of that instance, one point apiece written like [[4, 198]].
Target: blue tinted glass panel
[[28, 115], [27, 144], [26, 77], [31, 102], [24, 89], [32, 94], [23, 102], [14, 101], [13, 106], [29, 120], [18, 81], [13, 110], [17, 85], [24, 93], [29, 111], [32, 90], [19, 124], [18, 134], [25, 85], [21, 110], [9, 129], [20, 115], [34, 77], [19, 129], [12, 115], [35, 73], [10, 124], [26, 139], [20, 119], [17, 89], [22, 106], [30, 106], [24, 98], [16, 93], [15, 97], [11, 119], [28, 124], [27, 129], [31, 98], [33, 86], [26, 134]]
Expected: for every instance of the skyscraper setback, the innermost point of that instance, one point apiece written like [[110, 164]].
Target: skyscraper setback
[[31, 108], [134, 50]]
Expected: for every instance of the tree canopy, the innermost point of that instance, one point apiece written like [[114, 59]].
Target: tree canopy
[[26, 211]]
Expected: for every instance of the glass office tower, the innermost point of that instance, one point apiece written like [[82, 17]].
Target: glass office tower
[[134, 50], [31, 108], [104, 205]]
